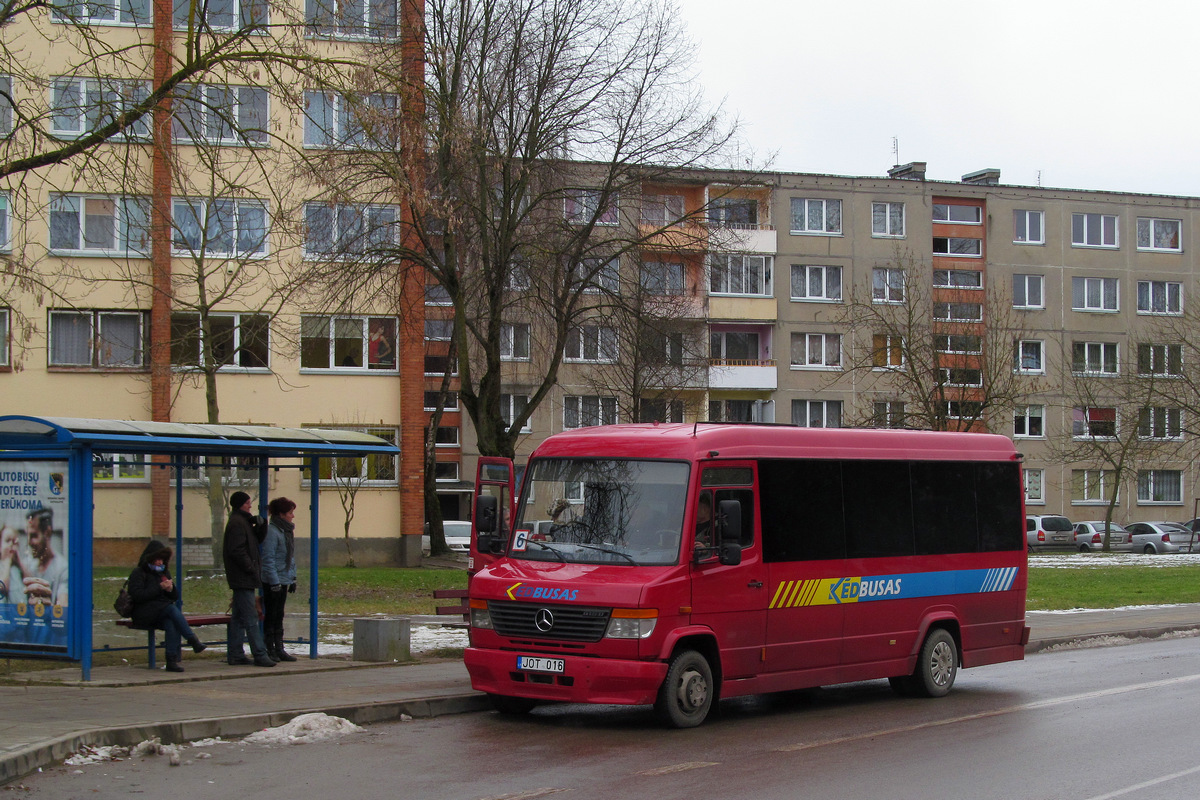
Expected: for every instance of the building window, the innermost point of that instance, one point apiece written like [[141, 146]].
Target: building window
[[83, 105], [444, 471], [350, 122], [732, 411], [734, 212], [220, 114], [343, 230], [599, 275], [1029, 421], [964, 409], [5, 335], [5, 224], [587, 410], [660, 348], [6, 105], [99, 225], [593, 343], [1029, 227], [439, 330], [1092, 486], [962, 215], [377, 469], [1029, 357], [238, 340], [1094, 294], [957, 279], [440, 365], [958, 343], [582, 207], [1093, 423], [887, 219], [98, 339], [513, 406], [437, 295], [1027, 292], [1094, 230], [336, 343], [817, 413], [816, 351], [887, 351], [1160, 297], [662, 209], [446, 436], [1161, 360], [816, 216], [816, 283], [224, 15], [665, 278], [1160, 486], [887, 285], [449, 402], [119, 468], [733, 347], [958, 312], [1035, 481], [1158, 234], [957, 246], [219, 227], [740, 274], [888, 414], [514, 341], [960, 376], [1094, 358], [101, 12], [375, 19], [660, 410], [1160, 423]]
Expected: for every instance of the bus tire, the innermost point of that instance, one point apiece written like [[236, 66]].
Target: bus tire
[[937, 665], [514, 706], [686, 695]]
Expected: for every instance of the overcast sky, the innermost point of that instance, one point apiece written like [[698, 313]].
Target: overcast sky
[[1095, 95]]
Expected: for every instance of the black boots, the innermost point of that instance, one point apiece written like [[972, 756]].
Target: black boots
[[173, 665], [197, 645], [279, 654], [264, 661]]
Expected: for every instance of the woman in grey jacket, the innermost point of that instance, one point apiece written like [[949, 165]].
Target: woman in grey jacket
[[278, 573]]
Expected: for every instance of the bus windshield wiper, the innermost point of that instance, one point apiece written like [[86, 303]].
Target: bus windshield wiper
[[609, 550], [555, 550]]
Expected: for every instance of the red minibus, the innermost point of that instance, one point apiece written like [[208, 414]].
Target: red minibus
[[680, 564]]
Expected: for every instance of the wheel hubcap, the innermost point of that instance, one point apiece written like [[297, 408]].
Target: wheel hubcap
[[693, 690], [941, 664]]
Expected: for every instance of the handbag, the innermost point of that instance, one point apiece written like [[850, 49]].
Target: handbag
[[124, 603]]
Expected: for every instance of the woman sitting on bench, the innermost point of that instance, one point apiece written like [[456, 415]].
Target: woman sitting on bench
[[154, 595]]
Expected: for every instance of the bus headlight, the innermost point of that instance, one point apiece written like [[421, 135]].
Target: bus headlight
[[631, 623], [480, 616]]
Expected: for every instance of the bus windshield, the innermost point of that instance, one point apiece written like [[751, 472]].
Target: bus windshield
[[601, 511]]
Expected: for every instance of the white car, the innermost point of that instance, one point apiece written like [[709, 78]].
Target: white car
[[458, 535], [1089, 536], [1162, 537]]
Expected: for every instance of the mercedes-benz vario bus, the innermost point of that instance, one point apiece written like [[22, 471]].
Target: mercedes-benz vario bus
[[680, 564]]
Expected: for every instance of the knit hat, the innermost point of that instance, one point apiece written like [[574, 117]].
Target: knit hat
[[238, 499]]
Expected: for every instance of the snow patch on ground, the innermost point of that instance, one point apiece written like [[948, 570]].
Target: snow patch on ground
[[305, 729], [423, 638], [1093, 560], [1116, 641]]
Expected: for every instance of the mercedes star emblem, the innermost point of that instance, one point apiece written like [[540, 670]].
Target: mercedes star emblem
[[544, 620]]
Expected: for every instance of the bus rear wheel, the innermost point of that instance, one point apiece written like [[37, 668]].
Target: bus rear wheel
[[686, 695], [937, 665]]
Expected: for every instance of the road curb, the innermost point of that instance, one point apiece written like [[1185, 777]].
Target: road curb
[[29, 759], [1082, 639]]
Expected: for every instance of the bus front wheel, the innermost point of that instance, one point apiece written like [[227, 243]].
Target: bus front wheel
[[515, 706], [686, 695]]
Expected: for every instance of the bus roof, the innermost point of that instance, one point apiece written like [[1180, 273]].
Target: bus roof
[[749, 441]]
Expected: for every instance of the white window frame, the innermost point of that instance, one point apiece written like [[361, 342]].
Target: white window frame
[[662, 210], [741, 274], [1095, 295], [599, 275], [5, 336], [379, 226], [971, 279], [957, 214], [582, 206], [887, 285], [330, 20], [331, 120], [237, 322], [191, 218], [965, 377], [829, 211], [719, 346], [1160, 298], [1160, 423], [82, 105], [5, 223], [1029, 422], [1094, 486], [958, 343], [1082, 422], [958, 247], [236, 16], [221, 114], [826, 281], [1024, 287], [886, 223], [1095, 358], [673, 410], [1103, 229], [440, 329], [337, 331], [437, 295], [457, 441], [1150, 229], [817, 351], [367, 465], [446, 471], [1023, 227], [591, 344], [824, 413], [889, 414], [955, 409], [515, 340], [451, 400], [120, 13], [891, 347], [511, 405], [958, 312], [129, 226], [1157, 360], [664, 278], [98, 342], [575, 410], [120, 468], [1029, 357], [1035, 486], [1161, 482]]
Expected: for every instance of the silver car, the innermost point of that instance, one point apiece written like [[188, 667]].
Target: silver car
[[458, 536], [1089, 536], [1048, 530], [1162, 537]]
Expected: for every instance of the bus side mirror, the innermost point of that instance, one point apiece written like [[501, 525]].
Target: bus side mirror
[[730, 554], [485, 514], [729, 528]]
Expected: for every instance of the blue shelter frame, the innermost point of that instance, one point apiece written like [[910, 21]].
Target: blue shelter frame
[[78, 441]]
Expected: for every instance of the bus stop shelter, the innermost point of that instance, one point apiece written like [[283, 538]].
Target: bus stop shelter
[[46, 469]]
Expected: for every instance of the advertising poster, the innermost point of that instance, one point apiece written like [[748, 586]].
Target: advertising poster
[[33, 555]]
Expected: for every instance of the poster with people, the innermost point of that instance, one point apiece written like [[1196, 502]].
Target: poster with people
[[33, 555]]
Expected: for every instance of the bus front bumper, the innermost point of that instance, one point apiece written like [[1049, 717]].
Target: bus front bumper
[[583, 679]]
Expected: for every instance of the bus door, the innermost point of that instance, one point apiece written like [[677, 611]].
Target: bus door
[[494, 481], [730, 598]]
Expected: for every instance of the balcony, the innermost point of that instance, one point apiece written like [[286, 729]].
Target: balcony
[[756, 308], [728, 373], [743, 237]]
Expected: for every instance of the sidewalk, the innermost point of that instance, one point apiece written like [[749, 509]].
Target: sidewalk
[[54, 713]]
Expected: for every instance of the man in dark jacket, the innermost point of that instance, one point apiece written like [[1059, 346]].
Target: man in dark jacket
[[242, 568]]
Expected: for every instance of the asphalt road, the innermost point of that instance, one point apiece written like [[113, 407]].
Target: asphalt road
[[1091, 724]]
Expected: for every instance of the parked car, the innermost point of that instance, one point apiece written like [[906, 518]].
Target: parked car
[[1162, 537], [458, 535], [1048, 530], [1090, 536]]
